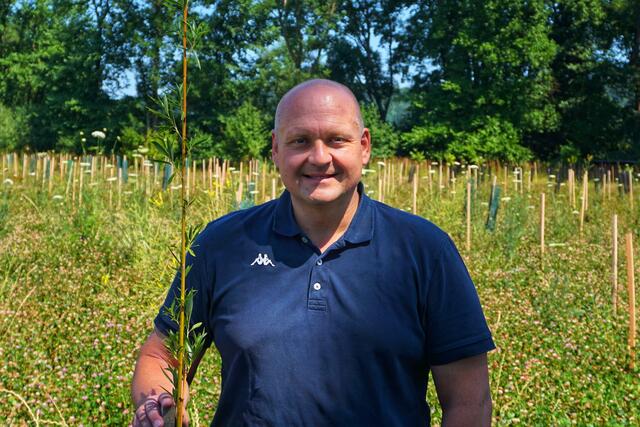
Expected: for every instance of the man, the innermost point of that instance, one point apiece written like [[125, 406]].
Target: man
[[329, 308]]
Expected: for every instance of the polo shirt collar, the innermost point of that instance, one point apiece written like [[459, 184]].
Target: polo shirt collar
[[360, 230]]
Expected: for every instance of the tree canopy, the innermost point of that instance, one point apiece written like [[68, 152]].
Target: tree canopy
[[474, 80]]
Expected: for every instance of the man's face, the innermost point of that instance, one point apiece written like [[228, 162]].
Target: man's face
[[319, 146]]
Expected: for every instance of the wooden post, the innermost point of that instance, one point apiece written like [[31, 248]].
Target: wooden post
[[632, 301], [263, 182], [81, 171], [204, 175], [273, 188], [119, 188], [415, 194], [631, 188], [52, 167], [614, 264], [572, 193], [24, 166], [72, 173], [542, 203], [583, 205], [585, 183], [468, 216]]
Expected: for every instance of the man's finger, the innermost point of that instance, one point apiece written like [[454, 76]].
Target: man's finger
[[166, 402], [152, 411], [140, 418]]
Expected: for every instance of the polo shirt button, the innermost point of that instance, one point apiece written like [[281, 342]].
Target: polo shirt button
[[319, 262], [317, 286], [305, 240]]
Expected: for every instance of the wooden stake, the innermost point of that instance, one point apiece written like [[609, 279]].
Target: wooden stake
[[583, 205], [119, 188], [52, 168], [585, 183], [273, 188], [24, 166], [542, 203], [81, 171], [263, 182], [631, 188], [632, 301], [468, 216], [614, 264], [506, 180], [415, 194]]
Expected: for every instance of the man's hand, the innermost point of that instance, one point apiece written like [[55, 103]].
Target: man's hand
[[150, 413], [149, 379], [463, 392]]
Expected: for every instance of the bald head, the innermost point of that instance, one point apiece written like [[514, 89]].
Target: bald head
[[317, 90]]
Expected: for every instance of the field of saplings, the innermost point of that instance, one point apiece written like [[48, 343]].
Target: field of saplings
[[85, 262]]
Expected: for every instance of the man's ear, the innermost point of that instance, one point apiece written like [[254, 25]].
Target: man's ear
[[365, 143]]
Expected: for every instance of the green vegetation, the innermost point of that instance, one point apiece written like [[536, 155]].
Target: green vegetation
[[80, 284], [479, 80]]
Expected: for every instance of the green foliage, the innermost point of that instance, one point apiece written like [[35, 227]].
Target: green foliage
[[245, 133], [13, 129], [446, 73], [385, 140]]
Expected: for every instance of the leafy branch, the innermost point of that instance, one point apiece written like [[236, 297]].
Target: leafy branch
[[186, 343]]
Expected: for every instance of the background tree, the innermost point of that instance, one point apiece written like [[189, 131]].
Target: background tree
[[483, 71]]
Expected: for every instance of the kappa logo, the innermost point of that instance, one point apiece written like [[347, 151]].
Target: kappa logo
[[262, 259]]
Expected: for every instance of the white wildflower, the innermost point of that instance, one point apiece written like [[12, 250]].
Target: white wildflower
[[8, 181], [98, 134]]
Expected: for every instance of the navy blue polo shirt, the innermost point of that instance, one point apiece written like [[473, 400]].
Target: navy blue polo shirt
[[340, 338]]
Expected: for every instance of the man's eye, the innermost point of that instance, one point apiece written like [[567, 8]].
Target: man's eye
[[338, 139], [299, 141]]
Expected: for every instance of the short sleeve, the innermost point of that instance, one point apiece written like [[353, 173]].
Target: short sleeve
[[454, 322], [199, 278]]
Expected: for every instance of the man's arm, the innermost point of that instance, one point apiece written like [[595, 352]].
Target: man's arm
[[463, 392], [149, 386]]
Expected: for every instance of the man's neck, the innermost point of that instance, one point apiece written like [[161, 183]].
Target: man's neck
[[324, 225]]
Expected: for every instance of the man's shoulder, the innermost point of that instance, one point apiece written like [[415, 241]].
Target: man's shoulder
[[402, 224]]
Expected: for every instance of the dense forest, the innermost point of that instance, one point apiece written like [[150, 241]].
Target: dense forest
[[451, 79]]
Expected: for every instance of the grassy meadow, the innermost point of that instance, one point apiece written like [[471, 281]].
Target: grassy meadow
[[85, 264]]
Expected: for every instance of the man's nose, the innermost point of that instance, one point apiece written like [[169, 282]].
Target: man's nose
[[319, 154]]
